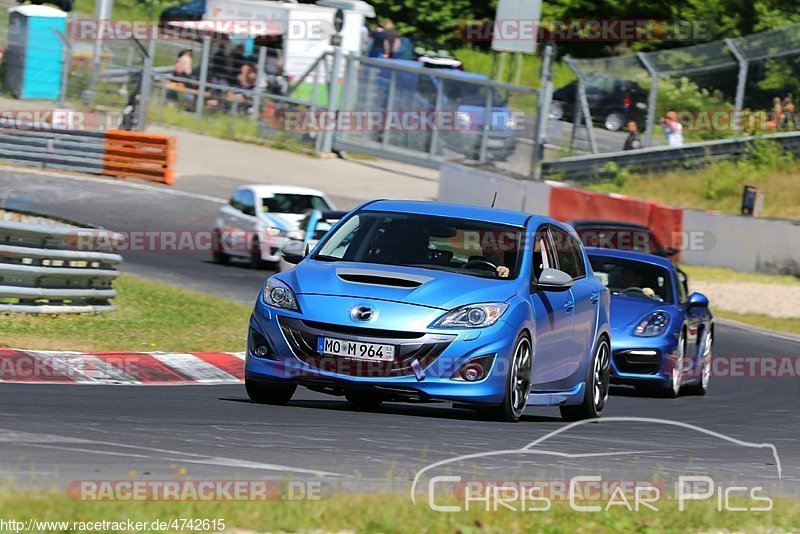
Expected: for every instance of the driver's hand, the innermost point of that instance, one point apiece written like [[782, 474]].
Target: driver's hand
[[502, 271], [648, 292]]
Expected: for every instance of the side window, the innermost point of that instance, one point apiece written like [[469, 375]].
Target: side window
[[235, 200], [248, 202], [542, 255], [683, 283], [569, 253]]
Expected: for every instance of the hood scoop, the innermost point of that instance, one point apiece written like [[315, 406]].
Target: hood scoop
[[382, 278]]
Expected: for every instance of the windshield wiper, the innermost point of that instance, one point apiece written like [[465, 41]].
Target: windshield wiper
[[322, 257]]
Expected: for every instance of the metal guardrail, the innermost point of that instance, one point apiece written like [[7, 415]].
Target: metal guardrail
[[597, 167], [39, 273]]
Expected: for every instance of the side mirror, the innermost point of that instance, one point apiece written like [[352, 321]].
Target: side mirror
[[294, 252], [553, 280], [698, 300]]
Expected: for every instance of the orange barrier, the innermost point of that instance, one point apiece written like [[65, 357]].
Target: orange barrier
[[139, 155], [568, 204]]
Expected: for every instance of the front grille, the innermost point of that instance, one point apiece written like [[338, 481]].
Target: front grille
[[302, 339], [627, 361]]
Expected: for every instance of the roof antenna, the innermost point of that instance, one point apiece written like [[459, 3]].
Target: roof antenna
[[494, 199]]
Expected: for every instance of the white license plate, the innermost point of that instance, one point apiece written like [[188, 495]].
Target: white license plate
[[355, 349]]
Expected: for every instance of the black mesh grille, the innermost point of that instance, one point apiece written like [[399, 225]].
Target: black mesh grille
[[643, 364]]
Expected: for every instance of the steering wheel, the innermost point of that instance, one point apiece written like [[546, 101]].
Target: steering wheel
[[638, 290], [481, 265]]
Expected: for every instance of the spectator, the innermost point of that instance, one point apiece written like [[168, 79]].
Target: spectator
[[183, 65], [673, 130], [777, 114], [787, 117], [238, 60], [633, 141], [391, 40], [220, 66], [378, 36]]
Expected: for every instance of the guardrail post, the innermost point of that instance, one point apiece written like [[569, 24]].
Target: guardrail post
[[437, 108], [261, 81], [652, 98], [201, 88], [389, 108], [543, 112], [146, 83], [738, 105], [333, 90], [487, 123]]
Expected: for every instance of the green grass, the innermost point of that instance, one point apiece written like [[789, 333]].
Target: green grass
[[789, 325], [390, 513], [149, 316], [719, 274]]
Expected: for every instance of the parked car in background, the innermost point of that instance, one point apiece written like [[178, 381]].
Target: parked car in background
[[620, 236], [416, 89], [612, 102], [426, 301], [661, 338], [312, 228], [256, 221]]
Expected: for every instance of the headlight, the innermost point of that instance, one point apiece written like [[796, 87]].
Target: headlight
[[280, 295], [652, 325], [472, 316]]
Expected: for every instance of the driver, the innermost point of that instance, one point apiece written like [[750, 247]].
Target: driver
[[493, 254], [631, 278]]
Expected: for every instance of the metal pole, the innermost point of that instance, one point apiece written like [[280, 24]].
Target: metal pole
[[66, 59], [501, 69], [327, 141], [518, 69], [437, 107], [261, 80], [201, 88], [102, 12], [146, 85], [651, 99], [740, 87], [487, 123], [577, 117], [584, 103], [162, 101], [545, 96], [389, 108]]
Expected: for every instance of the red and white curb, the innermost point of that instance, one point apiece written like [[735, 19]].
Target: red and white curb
[[120, 367]]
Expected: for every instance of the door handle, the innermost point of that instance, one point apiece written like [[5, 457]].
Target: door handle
[[595, 297], [569, 305]]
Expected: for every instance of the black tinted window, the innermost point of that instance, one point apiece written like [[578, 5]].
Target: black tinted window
[[568, 251]]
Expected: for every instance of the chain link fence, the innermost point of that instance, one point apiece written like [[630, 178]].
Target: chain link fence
[[720, 89]]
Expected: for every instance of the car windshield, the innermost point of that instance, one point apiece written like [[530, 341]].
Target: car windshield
[[294, 203], [470, 94], [618, 238], [323, 225], [441, 243], [633, 278]]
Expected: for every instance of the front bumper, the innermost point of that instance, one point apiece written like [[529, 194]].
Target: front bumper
[[426, 359], [641, 360]]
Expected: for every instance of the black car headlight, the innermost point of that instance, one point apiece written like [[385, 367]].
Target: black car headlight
[[472, 316], [652, 325], [278, 294]]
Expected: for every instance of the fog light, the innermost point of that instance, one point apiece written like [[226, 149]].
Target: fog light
[[472, 372], [475, 369], [262, 351], [259, 346]]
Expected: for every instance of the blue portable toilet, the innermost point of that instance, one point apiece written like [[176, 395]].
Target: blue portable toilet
[[34, 55]]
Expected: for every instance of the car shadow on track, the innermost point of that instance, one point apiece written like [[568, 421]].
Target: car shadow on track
[[434, 411]]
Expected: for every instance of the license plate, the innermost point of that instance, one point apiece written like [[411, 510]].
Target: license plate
[[355, 349]]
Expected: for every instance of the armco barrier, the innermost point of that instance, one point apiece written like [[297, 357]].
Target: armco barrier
[[595, 167], [109, 153], [742, 243], [40, 274]]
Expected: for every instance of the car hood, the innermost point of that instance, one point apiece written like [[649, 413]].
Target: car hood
[[422, 287], [627, 311]]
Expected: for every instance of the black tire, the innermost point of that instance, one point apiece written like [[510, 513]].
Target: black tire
[[363, 399], [672, 388], [598, 379], [218, 254], [614, 121], [517, 384], [558, 110], [266, 393], [701, 388], [255, 255]]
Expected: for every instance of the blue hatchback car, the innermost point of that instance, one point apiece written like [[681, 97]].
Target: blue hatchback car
[[424, 301], [662, 337]]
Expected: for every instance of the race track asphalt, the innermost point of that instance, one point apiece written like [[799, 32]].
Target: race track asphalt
[[53, 434]]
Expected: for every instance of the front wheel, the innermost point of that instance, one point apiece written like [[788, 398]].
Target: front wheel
[[557, 110], [701, 387], [267, 393], [597, 386], [517, 384]]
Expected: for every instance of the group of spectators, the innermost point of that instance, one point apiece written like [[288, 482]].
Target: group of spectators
[[783, 114], [383, 41], [673, 132]]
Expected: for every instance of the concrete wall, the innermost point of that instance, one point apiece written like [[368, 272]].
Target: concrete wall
[[741, 243]]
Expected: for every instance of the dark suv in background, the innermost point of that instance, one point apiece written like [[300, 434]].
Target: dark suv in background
[[612, 102]]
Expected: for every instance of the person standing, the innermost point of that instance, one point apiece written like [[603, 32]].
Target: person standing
[[633, 141], [390, 38], [673, 129]]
